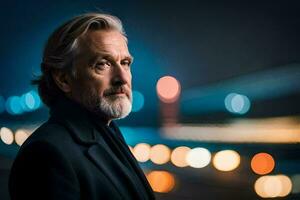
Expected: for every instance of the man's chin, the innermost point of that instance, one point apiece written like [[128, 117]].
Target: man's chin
[[118, 108], [125, 111]]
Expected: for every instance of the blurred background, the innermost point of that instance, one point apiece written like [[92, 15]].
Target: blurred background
[[216, 100]]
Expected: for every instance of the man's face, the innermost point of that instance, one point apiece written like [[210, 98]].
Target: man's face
[[102, 81]]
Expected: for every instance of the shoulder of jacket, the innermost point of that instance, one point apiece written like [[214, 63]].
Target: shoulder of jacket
[[53, 135]]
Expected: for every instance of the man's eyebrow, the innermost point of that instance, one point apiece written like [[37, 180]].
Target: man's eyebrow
[[110, 57], [130, 57]]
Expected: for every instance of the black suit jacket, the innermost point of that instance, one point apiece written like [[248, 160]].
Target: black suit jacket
[[75, 156]]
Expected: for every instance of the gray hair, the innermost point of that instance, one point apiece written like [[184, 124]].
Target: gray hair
[[61, 47]]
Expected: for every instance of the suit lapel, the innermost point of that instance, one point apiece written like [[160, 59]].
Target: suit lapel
[[133, 161], [101, 158], [116, 161]]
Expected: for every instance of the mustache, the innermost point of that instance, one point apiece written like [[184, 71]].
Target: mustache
[[116, 89]]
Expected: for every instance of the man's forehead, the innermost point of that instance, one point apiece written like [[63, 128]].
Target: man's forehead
[[104, 42], [104, 37]]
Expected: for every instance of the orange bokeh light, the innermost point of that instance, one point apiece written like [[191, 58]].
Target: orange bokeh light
[[168, 89], [160, 154], [161, 181], [178, 156], [262, 163]]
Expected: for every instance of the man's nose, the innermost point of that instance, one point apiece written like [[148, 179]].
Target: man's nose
[[121, 75]]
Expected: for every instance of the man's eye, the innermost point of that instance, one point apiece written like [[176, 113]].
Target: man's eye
[[102, 65], [126, 63]]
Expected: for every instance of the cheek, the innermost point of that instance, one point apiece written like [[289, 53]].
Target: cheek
[[99, 86], [99, 89], [94, 87]]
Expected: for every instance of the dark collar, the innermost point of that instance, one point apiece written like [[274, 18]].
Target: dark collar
[[77, 119]]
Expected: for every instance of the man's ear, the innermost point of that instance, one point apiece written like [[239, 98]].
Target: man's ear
[[62, 80]]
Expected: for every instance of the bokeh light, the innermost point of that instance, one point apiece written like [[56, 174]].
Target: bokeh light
[[137, 101], [160, 154], [262, 163], [286, 185], [13, 105], [142, 152], [161, 181], [226, 160], [198, 157], [37, 99], [27, 102], [272, 186], [168, 89], [237, 103], [227, 101], [6, 135], [179, 155], [259, 187], [21, 136]]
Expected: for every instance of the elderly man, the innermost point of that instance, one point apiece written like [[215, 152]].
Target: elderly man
[[79, 153]]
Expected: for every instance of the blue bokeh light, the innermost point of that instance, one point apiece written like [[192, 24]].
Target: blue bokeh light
[[36, 99], [30, 101], [237, 103], [228, 100], [27, 102], [13, 105], [246, 105], [137, 101]]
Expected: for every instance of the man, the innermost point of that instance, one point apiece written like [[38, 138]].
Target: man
[[79, 153]]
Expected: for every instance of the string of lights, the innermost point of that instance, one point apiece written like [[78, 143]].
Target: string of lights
[[162, 181]]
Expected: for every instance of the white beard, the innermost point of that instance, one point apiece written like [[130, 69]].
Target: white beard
[[115, 107], [108, 107]]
